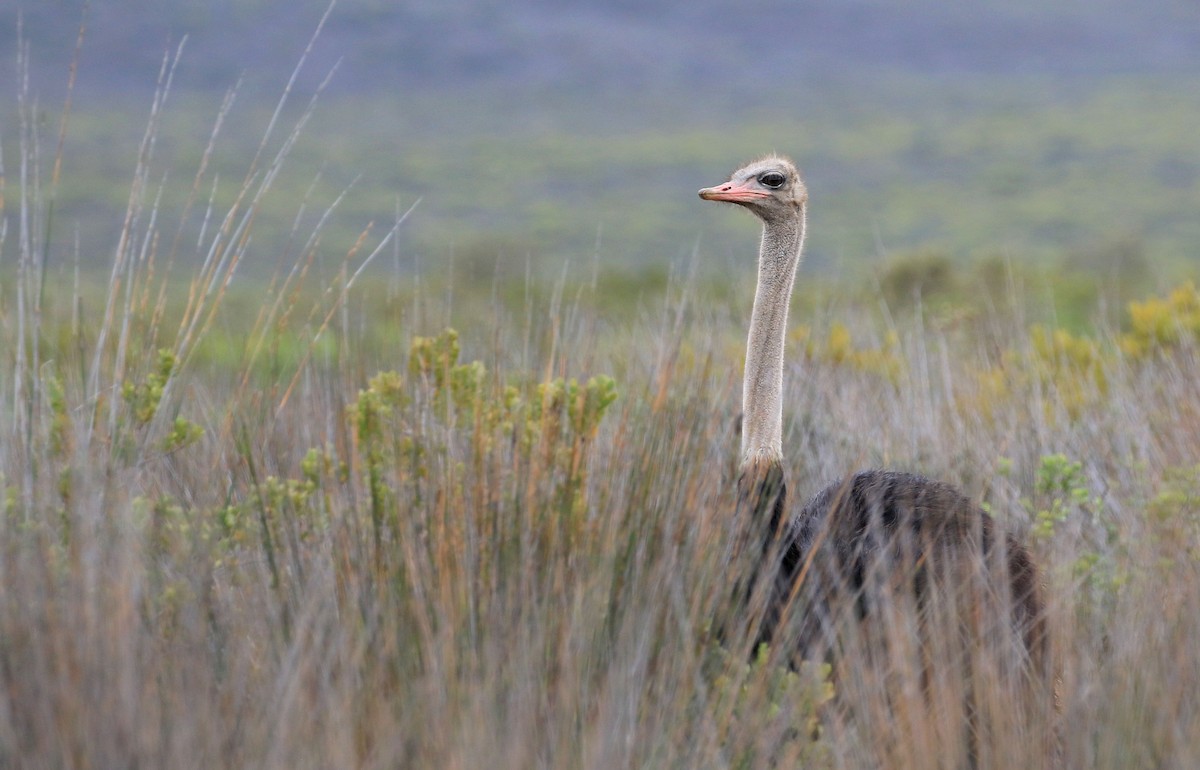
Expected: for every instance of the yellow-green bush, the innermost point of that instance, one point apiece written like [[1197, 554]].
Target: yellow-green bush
[[1072, 365], [839, 348], [1163, 323]]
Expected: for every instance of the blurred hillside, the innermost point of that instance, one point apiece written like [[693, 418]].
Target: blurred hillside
[[595, 46], [539, 130]]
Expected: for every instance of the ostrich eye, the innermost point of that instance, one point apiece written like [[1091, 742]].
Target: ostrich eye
[[772, 179]]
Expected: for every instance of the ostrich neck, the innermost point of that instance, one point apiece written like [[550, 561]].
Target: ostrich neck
[[762, 388]]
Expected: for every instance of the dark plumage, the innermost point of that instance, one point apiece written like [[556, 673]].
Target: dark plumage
[[857, 541]]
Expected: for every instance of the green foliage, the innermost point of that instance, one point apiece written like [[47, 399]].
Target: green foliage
[[144, 397], [183, 433], [60, 429], [550, 425], [750, 700], [384, 394], [585, 404], [1174, 512], [374, 411], [435, 359], [1179, 496], [1064, 500], [1062, 491], [1162, 324]]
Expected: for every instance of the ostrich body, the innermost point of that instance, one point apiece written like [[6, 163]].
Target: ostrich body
[[877, 544]]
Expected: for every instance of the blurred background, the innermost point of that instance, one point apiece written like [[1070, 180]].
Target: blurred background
[[935, 135]]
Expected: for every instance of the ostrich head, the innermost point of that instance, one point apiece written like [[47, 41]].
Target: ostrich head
[[770, 188]]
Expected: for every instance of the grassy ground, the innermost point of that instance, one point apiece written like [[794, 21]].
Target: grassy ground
[[482, 558], [309, 528]]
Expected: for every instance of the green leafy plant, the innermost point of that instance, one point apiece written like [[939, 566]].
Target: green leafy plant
[[1160, 324], [759, 698]]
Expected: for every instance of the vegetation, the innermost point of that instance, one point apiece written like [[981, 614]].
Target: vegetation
[[452, 562], [1061, 189], [297, 522], [922, 128]]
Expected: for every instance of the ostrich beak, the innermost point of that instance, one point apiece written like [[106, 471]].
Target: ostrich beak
[[733, 192]]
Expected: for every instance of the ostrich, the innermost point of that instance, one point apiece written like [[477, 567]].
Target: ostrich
[[876, 541]]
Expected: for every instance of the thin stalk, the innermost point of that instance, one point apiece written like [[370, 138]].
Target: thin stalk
[[132, 214], [341, 299]]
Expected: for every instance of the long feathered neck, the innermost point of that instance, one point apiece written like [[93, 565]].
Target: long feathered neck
[[762, 490], [762, 388]]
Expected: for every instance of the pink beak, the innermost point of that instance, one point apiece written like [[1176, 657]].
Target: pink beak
[[733, 193]]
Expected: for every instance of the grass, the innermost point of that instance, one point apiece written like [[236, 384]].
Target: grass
[[310, 528]]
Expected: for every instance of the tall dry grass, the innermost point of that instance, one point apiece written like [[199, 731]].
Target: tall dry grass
[[474, 549]]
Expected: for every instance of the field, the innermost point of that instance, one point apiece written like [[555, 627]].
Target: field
[[298, 520]]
